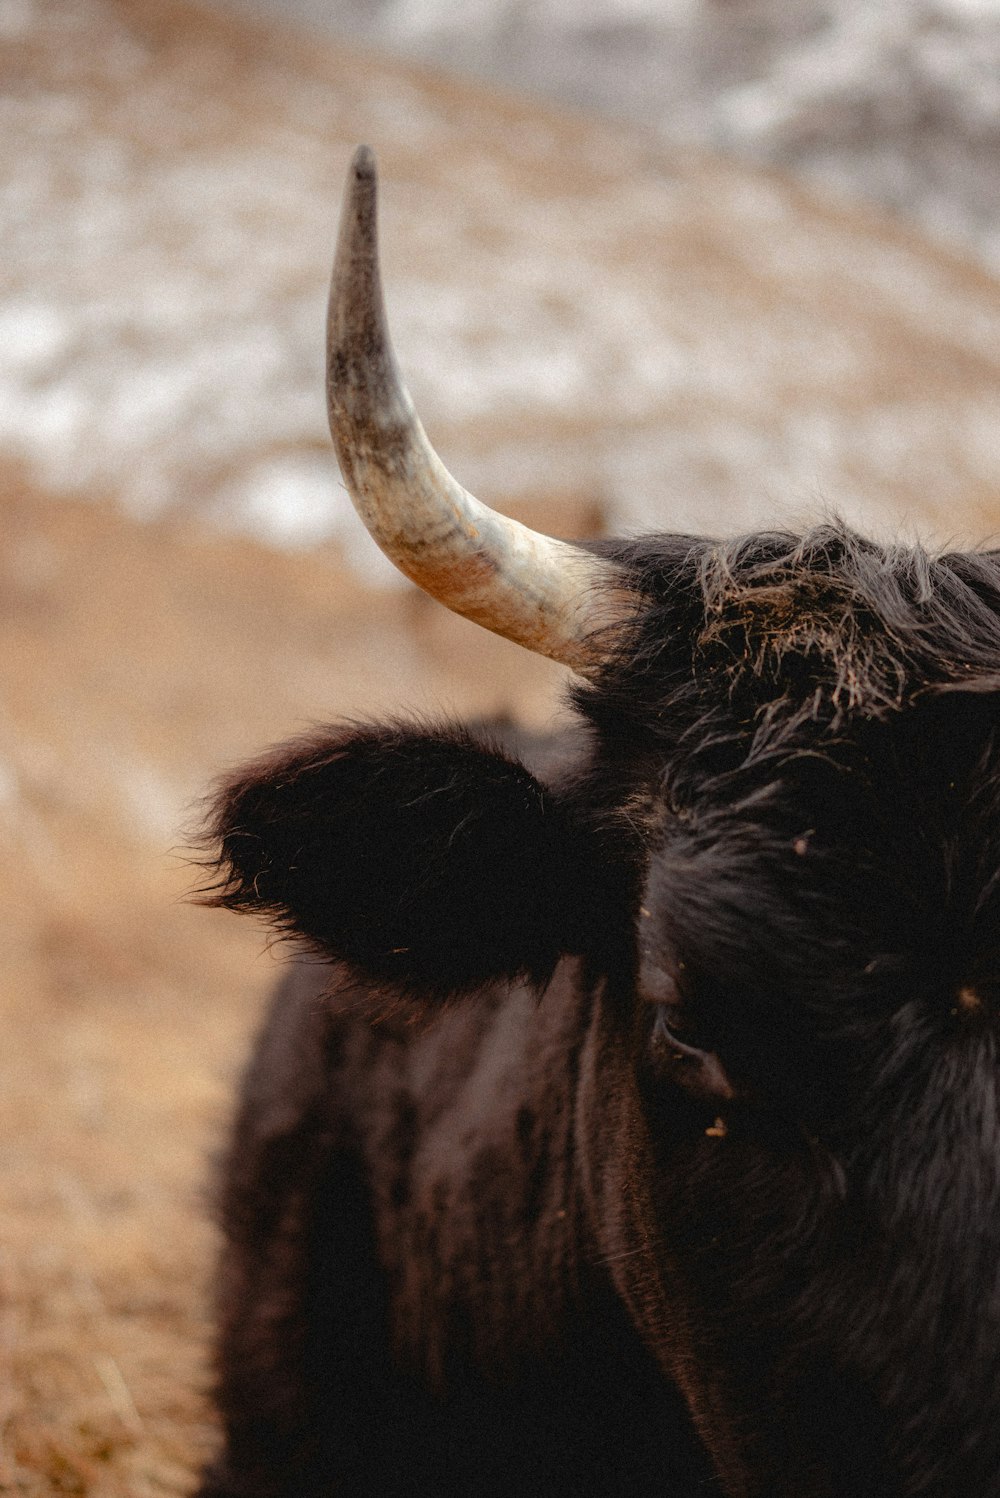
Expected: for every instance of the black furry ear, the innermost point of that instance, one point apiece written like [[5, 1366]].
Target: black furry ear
[[424, 860]]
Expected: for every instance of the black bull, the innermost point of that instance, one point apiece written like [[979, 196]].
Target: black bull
[[638, 1130]]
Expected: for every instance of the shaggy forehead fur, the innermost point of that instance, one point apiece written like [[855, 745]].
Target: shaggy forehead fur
[[828, 623]]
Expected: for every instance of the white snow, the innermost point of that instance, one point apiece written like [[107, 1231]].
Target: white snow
[[577, 311], [897, 100]]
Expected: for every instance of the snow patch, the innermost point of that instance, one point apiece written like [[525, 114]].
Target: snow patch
[[293, 500], [32, 335], [683, 341]]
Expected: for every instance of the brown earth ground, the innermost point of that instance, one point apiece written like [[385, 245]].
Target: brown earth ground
[[135, 663]]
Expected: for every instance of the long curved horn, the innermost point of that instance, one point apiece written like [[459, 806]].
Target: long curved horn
[[548, 595]]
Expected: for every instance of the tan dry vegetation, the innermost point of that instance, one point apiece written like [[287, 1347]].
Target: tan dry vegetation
[[136, 662]]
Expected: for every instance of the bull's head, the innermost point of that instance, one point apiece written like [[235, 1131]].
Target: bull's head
[[777, 857]]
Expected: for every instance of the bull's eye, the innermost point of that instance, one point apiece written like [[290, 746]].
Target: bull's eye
[[673, 1029], [697, 1070], [661, 1028]]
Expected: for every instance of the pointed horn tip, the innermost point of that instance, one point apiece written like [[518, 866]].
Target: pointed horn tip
[[363, 165], [365, 395]]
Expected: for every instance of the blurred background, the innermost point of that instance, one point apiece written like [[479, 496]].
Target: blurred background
[[694, 264]]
